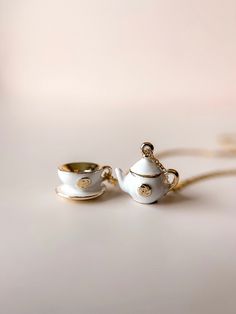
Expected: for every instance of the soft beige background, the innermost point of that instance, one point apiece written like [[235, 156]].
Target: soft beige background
[[119, 51], [90, 81]]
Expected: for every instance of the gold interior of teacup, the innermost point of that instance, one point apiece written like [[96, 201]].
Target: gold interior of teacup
[[80, 167]]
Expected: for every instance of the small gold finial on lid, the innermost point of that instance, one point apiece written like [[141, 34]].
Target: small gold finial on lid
[[147, 149]]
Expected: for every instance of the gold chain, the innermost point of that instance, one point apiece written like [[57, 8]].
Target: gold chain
[[109, 177], [229, 150], [112, 180], [195, 179], [158, 163], [147, 149]]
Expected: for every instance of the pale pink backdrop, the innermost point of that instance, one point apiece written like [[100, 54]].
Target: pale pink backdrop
[[119, 51]]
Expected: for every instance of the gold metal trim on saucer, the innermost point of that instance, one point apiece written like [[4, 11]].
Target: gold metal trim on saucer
[[80, 198]]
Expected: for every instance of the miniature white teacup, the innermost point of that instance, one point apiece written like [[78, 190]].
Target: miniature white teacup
[[82, 180]]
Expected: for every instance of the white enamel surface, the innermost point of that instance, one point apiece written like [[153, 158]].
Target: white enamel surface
[[145, 167], [130, 183], [70, 180]]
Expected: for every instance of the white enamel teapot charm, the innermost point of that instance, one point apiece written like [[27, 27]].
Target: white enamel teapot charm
[[147, 180]]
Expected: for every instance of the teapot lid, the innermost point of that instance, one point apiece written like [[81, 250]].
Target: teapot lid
[[147, 166]]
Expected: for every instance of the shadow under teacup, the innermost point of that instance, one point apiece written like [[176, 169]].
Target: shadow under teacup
[[82, 180]]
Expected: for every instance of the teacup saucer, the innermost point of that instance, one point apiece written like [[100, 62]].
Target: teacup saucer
[[78, 197]]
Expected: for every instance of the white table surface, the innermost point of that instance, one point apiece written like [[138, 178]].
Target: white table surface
[[112, 255]]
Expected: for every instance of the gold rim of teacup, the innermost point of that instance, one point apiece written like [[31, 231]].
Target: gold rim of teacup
[[83, 167], [80, 167]]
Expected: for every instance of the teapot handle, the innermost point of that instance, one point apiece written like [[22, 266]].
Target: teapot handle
[[175, 180]]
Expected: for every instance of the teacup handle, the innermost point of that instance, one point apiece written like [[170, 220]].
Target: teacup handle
[[107, 172], [107, 175], [175, 180]]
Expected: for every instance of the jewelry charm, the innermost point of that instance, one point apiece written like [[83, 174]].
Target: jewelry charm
[[83, 180], [147, 181]]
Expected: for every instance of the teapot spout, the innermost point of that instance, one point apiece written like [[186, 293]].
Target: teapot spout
[[121, 178]]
